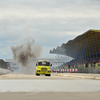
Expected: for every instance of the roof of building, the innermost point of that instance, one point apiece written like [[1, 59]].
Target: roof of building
[[86, 41]]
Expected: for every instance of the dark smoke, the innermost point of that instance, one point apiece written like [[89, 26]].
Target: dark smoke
[[23, 53]]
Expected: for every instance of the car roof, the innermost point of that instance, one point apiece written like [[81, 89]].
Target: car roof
[[43, 60]]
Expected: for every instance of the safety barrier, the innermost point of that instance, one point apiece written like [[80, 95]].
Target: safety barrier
[[79, 70], [4, 71]]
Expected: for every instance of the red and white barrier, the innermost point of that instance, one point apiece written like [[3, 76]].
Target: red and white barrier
[[72, 70], [76, 70], [67, 70]]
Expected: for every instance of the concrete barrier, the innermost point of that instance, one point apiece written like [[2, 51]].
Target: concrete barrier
[[4, 71], [79, 75]]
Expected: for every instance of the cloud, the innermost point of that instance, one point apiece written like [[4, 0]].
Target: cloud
[[4, 53], [51, 9], [49, 22]]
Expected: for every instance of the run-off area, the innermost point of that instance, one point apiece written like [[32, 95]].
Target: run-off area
[[32, 83]]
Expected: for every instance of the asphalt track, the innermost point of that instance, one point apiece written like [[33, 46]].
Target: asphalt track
[[31, 87]]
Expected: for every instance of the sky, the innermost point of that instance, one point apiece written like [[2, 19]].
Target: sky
[[49, 22]]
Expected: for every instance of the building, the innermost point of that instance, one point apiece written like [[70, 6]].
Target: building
[[12, 64], [85, 49]]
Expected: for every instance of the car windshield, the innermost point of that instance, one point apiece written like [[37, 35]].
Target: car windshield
[[44, 63]]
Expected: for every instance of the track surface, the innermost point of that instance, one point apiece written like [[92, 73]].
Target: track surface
[[29, 87]]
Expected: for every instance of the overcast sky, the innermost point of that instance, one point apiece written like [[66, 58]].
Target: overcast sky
[[49, 22]]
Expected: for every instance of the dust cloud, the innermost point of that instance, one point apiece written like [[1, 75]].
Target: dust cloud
[[26, 52]]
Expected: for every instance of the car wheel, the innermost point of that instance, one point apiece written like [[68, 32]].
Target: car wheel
[[37, 74]]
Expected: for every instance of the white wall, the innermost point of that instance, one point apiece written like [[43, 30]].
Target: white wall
[[4, 71]]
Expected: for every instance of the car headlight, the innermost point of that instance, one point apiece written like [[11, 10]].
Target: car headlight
[[38, 70], [49, 71]]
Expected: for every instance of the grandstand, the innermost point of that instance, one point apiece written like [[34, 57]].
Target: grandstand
[[85, 49]]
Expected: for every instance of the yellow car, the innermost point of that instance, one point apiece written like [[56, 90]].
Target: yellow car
[[43, 67]]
